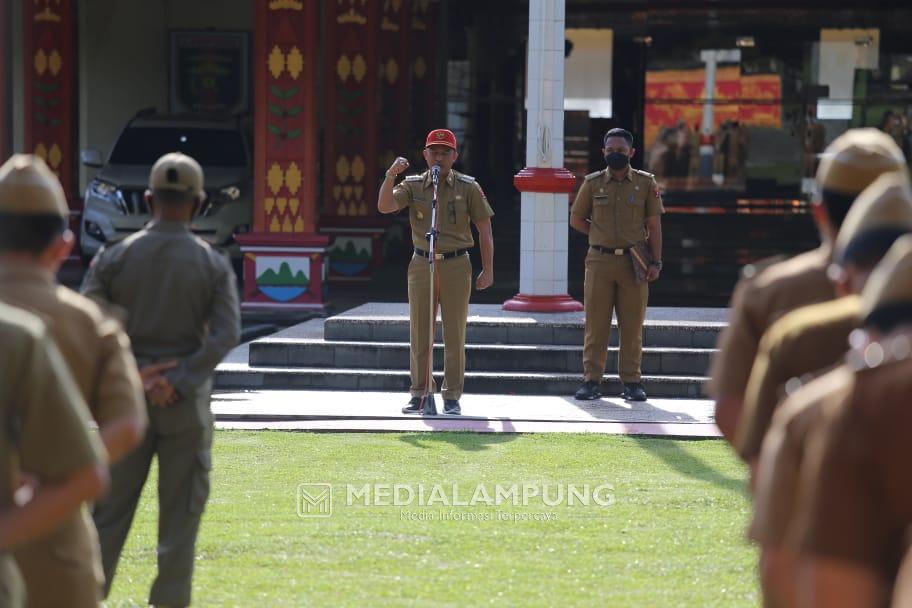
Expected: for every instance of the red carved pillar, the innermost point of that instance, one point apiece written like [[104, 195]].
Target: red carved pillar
[[5, 81], [283, 256], [422, 73], [351, 138], [50, 87]]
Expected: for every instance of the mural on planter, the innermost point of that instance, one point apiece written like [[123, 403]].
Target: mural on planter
[[282, 279], [350, 256]]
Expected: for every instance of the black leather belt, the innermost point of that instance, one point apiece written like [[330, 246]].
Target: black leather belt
[[619, 251], [442, 256]]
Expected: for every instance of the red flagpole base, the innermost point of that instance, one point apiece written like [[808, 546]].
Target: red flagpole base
[[525, 303]]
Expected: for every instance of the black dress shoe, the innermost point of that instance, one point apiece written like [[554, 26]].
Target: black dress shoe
[[588, 391], [413, 407], [451, 407], [634, 391]]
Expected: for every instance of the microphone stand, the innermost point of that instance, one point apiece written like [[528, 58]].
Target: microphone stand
[[427, 407]]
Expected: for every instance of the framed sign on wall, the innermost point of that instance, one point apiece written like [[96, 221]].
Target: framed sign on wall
[[209, 72]]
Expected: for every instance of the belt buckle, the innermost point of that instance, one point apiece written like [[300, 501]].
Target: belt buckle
[[438, 256], [618, 252]]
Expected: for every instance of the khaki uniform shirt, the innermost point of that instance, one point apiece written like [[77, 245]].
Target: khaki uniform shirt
[[617, 209], [97, 353], [459, 200], [859, 499], [784, 450], [181, 302], [902, 590], [756, 304], [94, 345], [37, 397], [805, 341]]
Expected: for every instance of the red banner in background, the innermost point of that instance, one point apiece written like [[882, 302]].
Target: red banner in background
[[674, 96]]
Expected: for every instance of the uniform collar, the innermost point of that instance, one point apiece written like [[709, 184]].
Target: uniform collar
[[628, 177], [32, 273], [450, 178], [167, 226]]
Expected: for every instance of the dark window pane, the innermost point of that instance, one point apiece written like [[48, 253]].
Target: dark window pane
[[210, 147]]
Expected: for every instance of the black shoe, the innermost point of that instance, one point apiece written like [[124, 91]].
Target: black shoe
[[588, 391], [413, 407], [451, 407], [634, 391]]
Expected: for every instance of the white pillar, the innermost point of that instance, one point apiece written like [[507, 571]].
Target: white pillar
[[544, 183]]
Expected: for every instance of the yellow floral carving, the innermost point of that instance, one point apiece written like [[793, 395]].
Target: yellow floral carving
[[55, 156], [343, 67], [289, 5], [276, 62], [420, 67], [268, 204], [352, 209], [359, 192], [293, 204], [286, 226], [295, 62], [343, 169], [41, 62], [362, 210], [281, 203], [342, 210], [391, 71], [41, 151], [337, 192], [275, 178], [359, 67], [293, 178], [357, 168], [299, 225], [55, 62], [275, 226], [348, 192]]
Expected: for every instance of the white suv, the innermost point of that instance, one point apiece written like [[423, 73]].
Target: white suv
[[114, 202]]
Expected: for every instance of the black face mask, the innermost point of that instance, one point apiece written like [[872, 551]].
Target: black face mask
[[617, 160]]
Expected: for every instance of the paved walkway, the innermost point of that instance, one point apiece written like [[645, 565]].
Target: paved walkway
[[378, 412]]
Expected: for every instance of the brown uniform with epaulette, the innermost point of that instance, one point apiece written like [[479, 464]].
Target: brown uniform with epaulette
[[45, 426], [617, 211], [97, 353], [181, 300], [851, 163], [805, 341], [460, 202]]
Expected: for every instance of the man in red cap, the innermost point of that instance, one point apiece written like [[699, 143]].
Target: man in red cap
[[459, 200]]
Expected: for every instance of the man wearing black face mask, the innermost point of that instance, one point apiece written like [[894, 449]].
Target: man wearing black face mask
[[617, 207]]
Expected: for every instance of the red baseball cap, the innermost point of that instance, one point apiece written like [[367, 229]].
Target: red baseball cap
[[441, 137]]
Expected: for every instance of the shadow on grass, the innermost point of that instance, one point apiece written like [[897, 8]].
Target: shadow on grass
[[675, 456], [468, 440]]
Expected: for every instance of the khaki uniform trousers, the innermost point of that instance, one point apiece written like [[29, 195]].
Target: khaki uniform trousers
[[455, 276], [180, 435], [611, 287]]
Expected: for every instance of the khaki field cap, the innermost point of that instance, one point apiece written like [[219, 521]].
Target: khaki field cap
[[882, 211], [856, 158], [28, 186], [178, 172], [890, 285]]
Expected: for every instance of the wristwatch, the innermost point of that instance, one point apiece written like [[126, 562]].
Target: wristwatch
[[658, 264]]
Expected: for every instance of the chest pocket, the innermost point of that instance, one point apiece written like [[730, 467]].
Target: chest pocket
[[602, 210], [634, 214], [420, 214]]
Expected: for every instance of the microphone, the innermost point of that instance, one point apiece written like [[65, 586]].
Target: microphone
[[435, 173]]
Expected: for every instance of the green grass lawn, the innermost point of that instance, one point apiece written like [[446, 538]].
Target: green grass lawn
[[673, 534]]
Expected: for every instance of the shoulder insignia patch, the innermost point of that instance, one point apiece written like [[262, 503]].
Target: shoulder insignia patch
[[644, 173], [413, 178], [466, 178], [754, 268], [594, 175]]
